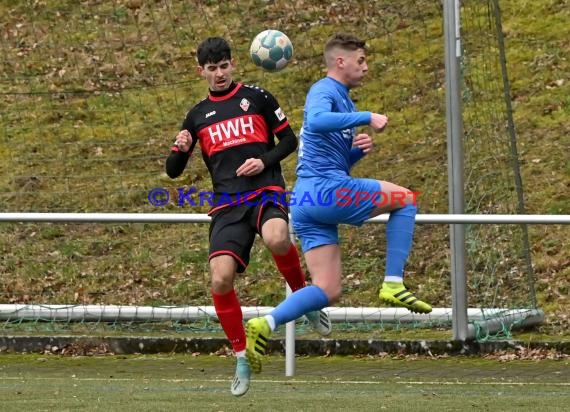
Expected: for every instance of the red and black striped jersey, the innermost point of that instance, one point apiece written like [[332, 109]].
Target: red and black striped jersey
[[232, 127]]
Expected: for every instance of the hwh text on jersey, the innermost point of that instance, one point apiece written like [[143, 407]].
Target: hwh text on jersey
[[230, 129]]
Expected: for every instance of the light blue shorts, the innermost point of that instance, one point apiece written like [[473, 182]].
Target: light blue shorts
[[319, 205]]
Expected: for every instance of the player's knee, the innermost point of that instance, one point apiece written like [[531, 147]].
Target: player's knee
[[221, 283], [410, 199], [278, 244], [332, 290], [407, 210]]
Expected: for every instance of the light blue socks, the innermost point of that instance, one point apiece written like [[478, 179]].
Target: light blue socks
[[298, 303], [399, 235]]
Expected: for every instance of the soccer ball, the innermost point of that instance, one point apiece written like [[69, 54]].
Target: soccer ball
[[271, 50]]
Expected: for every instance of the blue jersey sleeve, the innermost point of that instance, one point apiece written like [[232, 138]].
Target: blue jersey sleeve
[[321, 116]]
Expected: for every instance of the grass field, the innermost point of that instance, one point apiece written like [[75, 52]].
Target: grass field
[[201, 383]]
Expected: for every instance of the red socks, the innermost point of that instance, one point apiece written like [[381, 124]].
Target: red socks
[[228, 307], [230, 316], [290, 267]]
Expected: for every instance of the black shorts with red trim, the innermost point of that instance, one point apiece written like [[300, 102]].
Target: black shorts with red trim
[[233, 228]]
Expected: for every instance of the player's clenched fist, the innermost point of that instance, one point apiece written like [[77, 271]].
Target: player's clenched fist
[[183, 140], [378, 122]]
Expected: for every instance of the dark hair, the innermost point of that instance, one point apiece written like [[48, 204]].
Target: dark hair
[[213, 50], [344, 41]]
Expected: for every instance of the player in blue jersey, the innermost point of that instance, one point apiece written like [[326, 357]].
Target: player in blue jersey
[[326, 195]]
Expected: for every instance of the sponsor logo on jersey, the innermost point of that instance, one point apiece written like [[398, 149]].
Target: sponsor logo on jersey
[[233, 132], [210, 113], [231, 129]]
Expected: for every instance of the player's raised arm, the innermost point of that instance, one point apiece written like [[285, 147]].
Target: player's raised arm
[[179, 154]]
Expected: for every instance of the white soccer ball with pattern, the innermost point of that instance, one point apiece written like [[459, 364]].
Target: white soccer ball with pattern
[[271, 50]]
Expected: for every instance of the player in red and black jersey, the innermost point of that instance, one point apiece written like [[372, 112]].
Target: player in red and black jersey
[[236, 126]]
